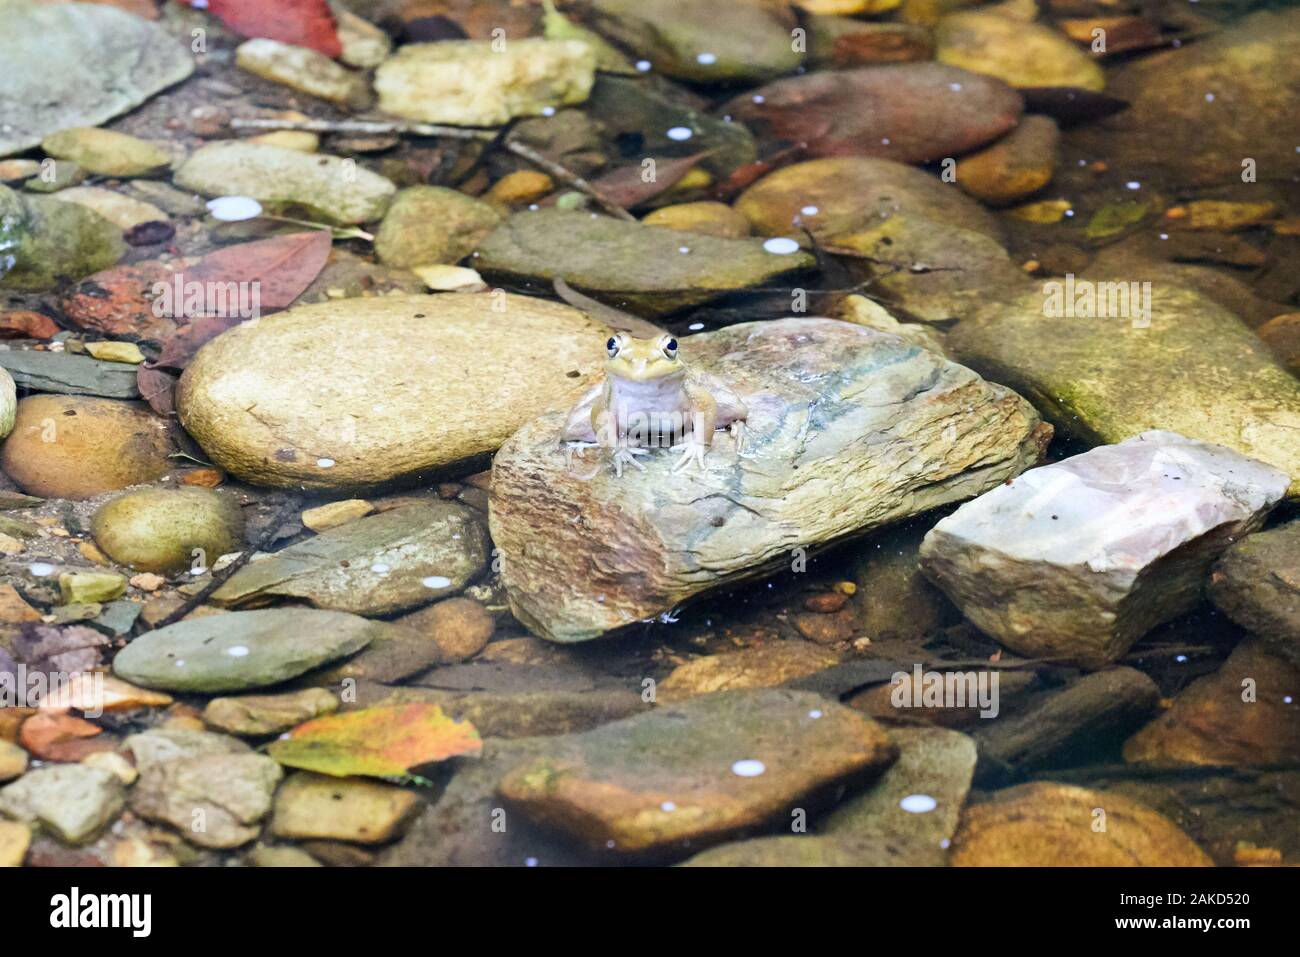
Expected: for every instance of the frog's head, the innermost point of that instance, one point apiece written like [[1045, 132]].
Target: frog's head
[[641, 360]]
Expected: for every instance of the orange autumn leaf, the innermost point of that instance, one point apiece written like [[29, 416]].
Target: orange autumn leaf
[[378, 742]]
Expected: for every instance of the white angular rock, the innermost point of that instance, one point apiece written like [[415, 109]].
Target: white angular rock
[[1079, 559], [475, 83]]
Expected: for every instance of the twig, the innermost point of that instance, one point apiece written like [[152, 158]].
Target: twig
[[378, 128], [268, 535]]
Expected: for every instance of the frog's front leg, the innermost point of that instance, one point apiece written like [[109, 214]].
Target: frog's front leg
[[611, 436], [699, 438]]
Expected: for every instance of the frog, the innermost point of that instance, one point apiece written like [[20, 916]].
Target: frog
[[650, 398]]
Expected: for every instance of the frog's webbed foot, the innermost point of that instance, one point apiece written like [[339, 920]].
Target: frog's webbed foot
[[693, 453], [739, 433], [626, 456]]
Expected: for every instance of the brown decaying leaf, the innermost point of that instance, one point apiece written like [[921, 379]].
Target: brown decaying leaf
[[158, 388], [627, 187], [58, 737], [1120, 34], [66, 649]]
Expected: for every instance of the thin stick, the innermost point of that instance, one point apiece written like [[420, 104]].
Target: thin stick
[[376, 128], [289, 506]]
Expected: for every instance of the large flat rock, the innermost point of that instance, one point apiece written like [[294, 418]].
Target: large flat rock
[[1078, 559], [78, 64], [849, 429], [358, 392], [681, 777], [1105, 371]]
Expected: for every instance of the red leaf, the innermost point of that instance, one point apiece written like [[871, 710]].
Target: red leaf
[[304, 23], [179, 349], [626, 187], [158, 388], [282, 266]]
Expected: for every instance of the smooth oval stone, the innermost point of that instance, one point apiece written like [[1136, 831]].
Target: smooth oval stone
[[836, 197], [240, 650], [909, 112], [1018, 53], [1188, 115], [106, 152], [432, 224], [158, 530], [304, 70], [644, 269], [79, 64], [79, 447], [1054, 825], [703, 41], [1016, 166], [335, 188], [710, 218], [381, 389], [120, 210]]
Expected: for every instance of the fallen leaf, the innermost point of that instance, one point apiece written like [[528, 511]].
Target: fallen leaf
[[67, 649], [180, 347], [58, 737], [626, 186], [158, 388], [377, 742], [304, 23], [27, 325], [1070, 105], [282, 266], [93, 692]]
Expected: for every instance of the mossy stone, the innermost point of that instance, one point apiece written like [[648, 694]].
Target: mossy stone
[[159, 530]]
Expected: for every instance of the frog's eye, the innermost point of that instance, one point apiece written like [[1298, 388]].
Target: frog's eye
[[611, 346], [670, 348]]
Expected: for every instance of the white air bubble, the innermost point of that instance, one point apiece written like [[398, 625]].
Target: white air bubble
[[435, 581], [237, 651], [234, 209], [918, 803], [41, 570], [679, 134], [325, 463], [781, 246], [748, 768]]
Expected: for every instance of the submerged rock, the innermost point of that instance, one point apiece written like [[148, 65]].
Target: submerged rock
[[1247, 712], [1108, 361], [158, 530], [257, 715], [919, 799], [416, 385], [1022, 54], [67, 374], [238, 651], [1257, 584], [106, 152], [214, 800], [314, 806], [385, 563], [701, 41], [433, 224], [305, 70], [647, 270], [78, 64], [73, 447], [1058, 825], [790, 850], [330, 186], [1077, 560], [909, 112], [763, 666], [1016, 166], [695, 773], [838, 197], [1197, 112], [848, 430], [74, 801], [427, 81], [44, 242]]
